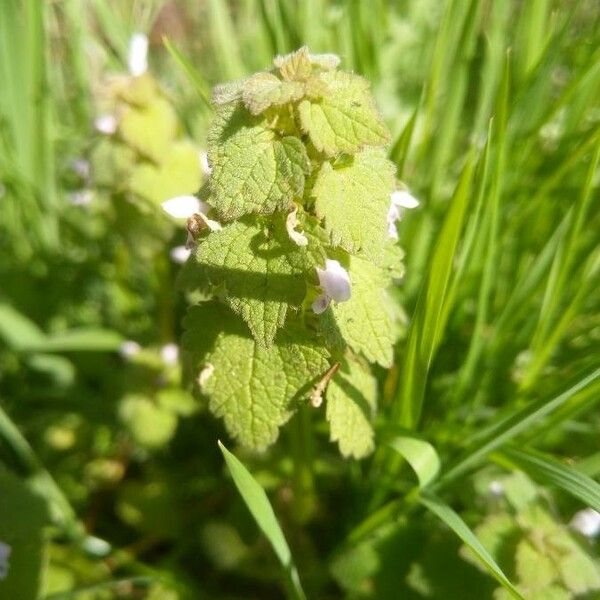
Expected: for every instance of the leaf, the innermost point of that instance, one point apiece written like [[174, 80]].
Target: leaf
[[296, 66], [550, 471], [259, 506], [461, 529], [151, 425], [420, 455], [263, 90], [254, 171], [351, 402], [178, 175], [579, 573], [17, 330], [365, 322], [23, 514], [150, 129], [353, 199], [533, 568], [79, 340], [251, 387], [345, 119], [262, 271]]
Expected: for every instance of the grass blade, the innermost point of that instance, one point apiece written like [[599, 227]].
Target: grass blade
[[420, 455], [259, 506], [552, 472], [462, 530]]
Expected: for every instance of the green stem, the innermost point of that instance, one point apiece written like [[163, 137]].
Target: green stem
[[302, 455]]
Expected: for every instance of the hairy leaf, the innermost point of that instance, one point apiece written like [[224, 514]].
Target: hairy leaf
[[353, 199], [345, 119], [254, 170], [351, 401]]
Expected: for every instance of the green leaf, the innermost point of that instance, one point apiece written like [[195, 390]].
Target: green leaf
[[420, 455], [534, 569], [254, 170], [263, 90], [259, 506], [79, 340], [353, 199], [251, 387], [17, 330], [461, 529], [262, 271], [548, 470], [179, 174], [351, 402], [345, 119], [366, 321], [23, 514], [150, 129], [579, 572], [150, 424]]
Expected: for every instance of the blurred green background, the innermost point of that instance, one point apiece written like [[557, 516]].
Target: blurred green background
[[111, 482]]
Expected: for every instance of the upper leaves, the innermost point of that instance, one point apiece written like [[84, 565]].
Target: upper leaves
[[254, 169], [353, 199], [251, 387], [345, 118]]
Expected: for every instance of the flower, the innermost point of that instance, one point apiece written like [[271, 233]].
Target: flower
[[335, 284], [129, 349], [170, 354], [81, 197], [400, 200], [587, 522], [5, 552], [183, 207], [206, 168], [290, 224], [180, 254], [137, 57], [106, 124]]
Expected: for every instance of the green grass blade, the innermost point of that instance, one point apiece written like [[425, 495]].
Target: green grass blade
[[516, 422], [452, 519], [548, 470], [420, 455], [259, 506]]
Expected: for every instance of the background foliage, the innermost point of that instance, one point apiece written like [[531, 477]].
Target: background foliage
[[494, 111]]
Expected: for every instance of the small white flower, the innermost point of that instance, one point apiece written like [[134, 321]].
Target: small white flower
[[129, 349], [5, 552], [183, 207], [106, 124], [290, 224], [206, 168], [335, 283], [180, 254], [400, 200], [496, 488], [170, 354], [137, 57], [81, 197], [587, 522]]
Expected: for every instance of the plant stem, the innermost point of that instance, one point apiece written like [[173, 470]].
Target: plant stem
[[302, 454]]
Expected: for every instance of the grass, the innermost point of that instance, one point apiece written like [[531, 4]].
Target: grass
[[496, 121]]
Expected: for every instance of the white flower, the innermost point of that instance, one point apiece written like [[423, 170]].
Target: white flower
[[5, 552], [586, 522], [137, 57], [170, 354], [400, 200], [183, 207], [81, 197], [496, 488], [206, 168], [106, 124], [129, 349], [290, 224], [180, 254], [335, 283]]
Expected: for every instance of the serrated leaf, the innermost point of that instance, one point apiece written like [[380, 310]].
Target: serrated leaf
[[344, 120], [251, 388], [353, 199], [534, 569], [150, 129], [179, 174], [254, 170], [262, 271], [351, 401], [365, 322], [263, 90], [296, 66]]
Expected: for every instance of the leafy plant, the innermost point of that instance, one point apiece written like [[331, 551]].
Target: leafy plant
[[302, 188]]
